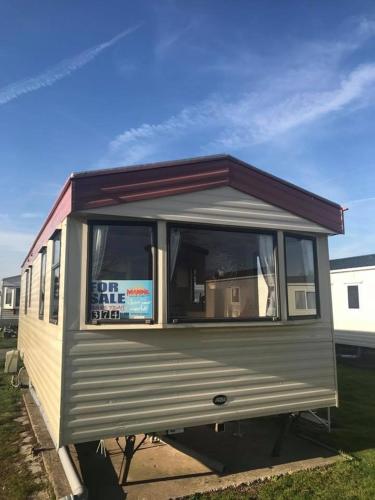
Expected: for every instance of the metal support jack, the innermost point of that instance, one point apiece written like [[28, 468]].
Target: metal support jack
[[101, 449], [129, 452]]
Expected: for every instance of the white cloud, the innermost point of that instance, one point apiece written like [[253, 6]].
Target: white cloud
[[59, 71], [251, 119]]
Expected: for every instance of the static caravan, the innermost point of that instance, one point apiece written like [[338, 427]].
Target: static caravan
[[152, 290], [353, 292], [10, 301]]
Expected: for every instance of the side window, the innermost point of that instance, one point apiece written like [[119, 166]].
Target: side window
[[353, 297], [55, 278], [42, 289], [301, 276], [26, 303], [121, 275], [8, 298], [30, 283], [17, 304]]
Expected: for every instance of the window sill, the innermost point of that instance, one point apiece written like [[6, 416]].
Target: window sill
[[210, 325]]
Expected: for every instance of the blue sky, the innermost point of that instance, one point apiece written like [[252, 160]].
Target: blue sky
[[287, 86]]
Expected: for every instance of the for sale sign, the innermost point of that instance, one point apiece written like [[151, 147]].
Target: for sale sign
[[121, 299]]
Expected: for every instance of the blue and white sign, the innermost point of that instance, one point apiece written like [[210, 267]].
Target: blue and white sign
[[121, 299]]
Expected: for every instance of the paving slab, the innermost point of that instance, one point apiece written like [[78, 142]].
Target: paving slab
[[162, 471], [51, 460]]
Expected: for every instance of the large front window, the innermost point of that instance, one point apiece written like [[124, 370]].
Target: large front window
[[121, 281], [300, 256], [221, 274]]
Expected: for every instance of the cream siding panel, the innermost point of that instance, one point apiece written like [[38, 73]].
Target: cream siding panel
[[224, 206], [40, 342], [125, 382]]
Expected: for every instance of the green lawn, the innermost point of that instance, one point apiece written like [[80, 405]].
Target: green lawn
[[16, 481], [7, 343], [353, 432]]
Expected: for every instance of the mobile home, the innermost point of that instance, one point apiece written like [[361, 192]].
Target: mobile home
[[151, 290], [10, 301], [353, 292]]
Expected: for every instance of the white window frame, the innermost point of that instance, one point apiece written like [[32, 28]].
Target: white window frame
[[11, 305]]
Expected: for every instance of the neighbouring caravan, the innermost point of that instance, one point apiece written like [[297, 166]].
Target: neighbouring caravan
[[152, 290], [10, 301], [353, 292]]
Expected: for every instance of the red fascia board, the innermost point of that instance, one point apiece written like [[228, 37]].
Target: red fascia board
[[93, 189], [61, 209]]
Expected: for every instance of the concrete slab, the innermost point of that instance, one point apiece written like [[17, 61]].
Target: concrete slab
[[51, 460], [160, 471]]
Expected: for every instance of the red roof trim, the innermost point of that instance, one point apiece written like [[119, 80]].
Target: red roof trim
[[86, 190]]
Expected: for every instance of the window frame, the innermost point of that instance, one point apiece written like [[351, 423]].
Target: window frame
[[219, 227], [53, 320], [301, 236], [26, 295], [154, 270], [13, 299], [42, 283]]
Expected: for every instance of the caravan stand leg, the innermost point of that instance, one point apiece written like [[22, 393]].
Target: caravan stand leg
[[284, 429], [129, 452]]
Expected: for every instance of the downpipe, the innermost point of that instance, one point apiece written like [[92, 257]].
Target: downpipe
[[79, 492]]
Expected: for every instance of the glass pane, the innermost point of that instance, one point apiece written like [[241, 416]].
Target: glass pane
[[55, 277], [300, 276], [56, 249], [353, 297], [121, 272], [42, 284], [220, 274], [9, 297], [300, 299], [17, 297], [26, 290]]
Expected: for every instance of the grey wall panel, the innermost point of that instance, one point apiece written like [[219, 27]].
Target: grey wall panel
[[130, 381]]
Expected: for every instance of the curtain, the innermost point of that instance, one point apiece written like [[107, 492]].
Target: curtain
[[267, 264], [307, 259], [99, 243], [175, 238]]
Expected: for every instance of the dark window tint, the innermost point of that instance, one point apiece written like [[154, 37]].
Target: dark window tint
[[17, 304], [121, 282], [9, 297], [30, 283], [42, 290], [55, 278], [219, 274], [353, 297], [26, 290], [301, 276]]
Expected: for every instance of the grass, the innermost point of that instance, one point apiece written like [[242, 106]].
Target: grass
[[353, 432], [16, 481], [7, 343]]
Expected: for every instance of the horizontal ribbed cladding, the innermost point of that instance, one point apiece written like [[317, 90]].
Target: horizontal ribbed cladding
[[355, 338], [143, 381], [221, 206]]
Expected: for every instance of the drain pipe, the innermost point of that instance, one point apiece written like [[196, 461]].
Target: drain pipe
[[79, 491]]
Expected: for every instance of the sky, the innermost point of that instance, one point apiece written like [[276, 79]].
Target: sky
[[286, 86]]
